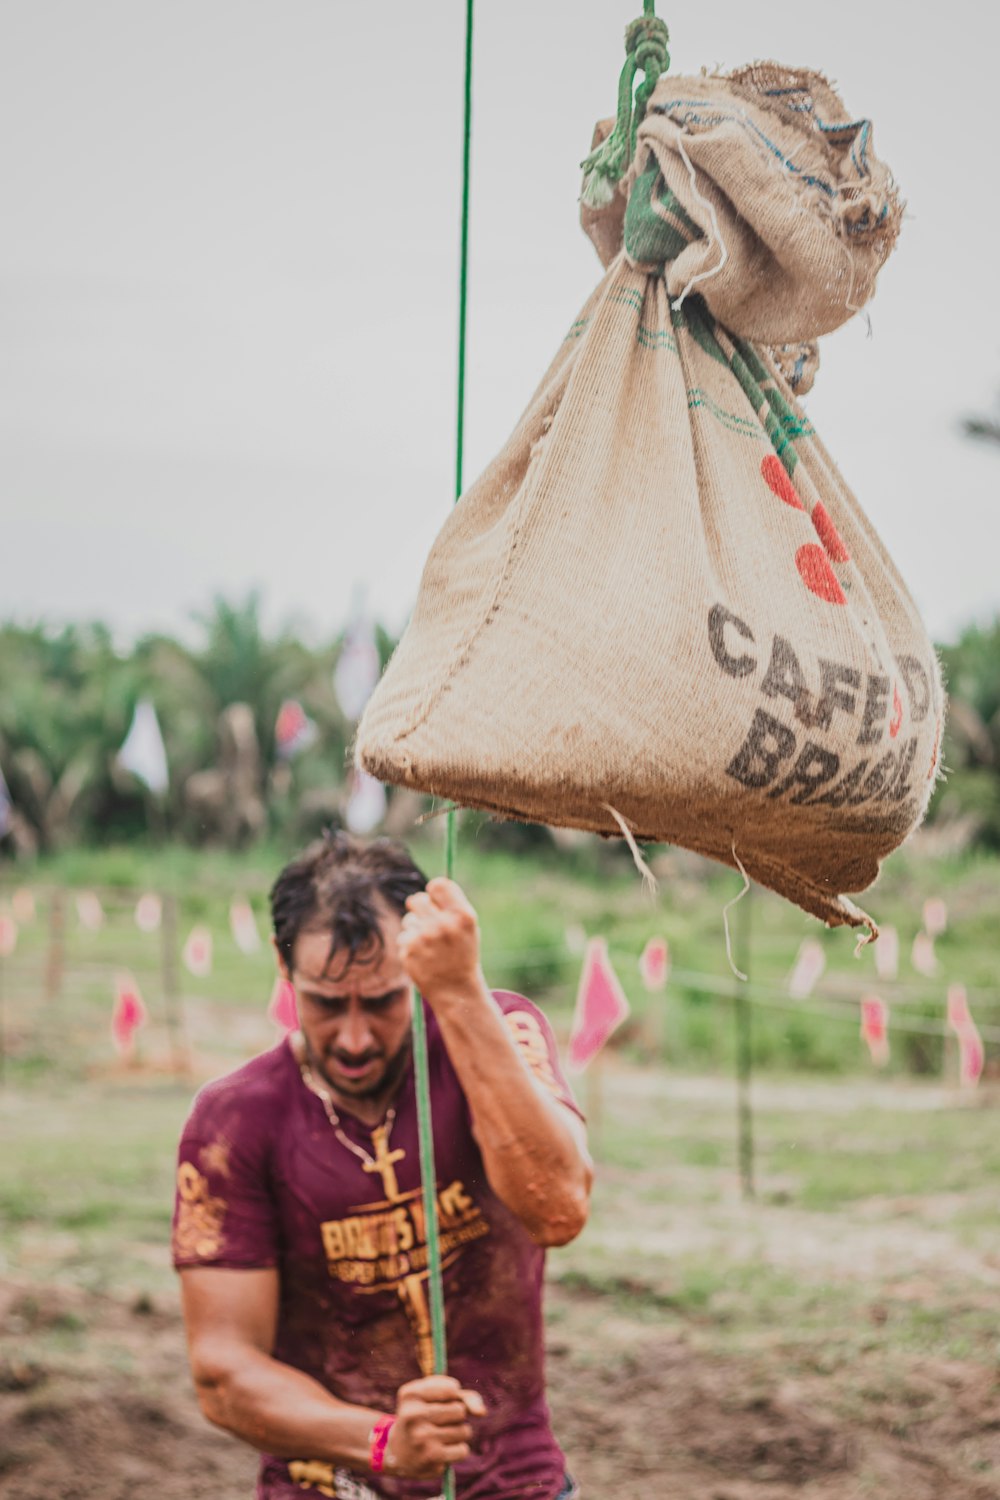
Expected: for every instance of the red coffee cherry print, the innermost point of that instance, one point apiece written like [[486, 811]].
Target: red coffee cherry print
[[775, 476], [817, 574], [828, 533]]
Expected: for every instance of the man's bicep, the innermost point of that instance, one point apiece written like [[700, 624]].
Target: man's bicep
[[225, 1310]]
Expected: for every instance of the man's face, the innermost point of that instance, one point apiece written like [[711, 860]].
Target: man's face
[[355, 1018]]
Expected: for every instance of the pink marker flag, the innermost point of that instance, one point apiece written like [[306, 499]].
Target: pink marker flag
[[808, 969], [148, 912], [243, 925], [198, 952], [875, 1028], [282, 1009], [971, 1052], [23, 905], [922, 955], [935, 916], [90, 911], [601, 1006], [294, 731], [887, 953], [959, 1015], [8, 934], [972, 1057], [128, 1015], [654, 965]]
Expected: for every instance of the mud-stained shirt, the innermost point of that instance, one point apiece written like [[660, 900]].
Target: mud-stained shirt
[[263, 1181]]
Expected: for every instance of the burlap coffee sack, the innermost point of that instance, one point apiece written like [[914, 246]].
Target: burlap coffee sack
[[796, 213], [661, 599]]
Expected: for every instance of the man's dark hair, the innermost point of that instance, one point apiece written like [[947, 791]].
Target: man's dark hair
[[338, 885]]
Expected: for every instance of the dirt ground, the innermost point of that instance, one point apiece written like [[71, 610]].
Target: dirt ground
[[100, 1408]]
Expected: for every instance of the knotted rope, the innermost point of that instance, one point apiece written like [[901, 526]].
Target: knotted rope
[[646, 51]]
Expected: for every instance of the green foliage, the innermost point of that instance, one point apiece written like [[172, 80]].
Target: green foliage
[[68, 699], [972, 668], [971, 751], [70, 692]]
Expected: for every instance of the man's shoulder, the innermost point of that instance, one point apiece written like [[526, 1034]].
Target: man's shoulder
[[255, 1094], [520, 1012], [536, 1043], [510, 1000]]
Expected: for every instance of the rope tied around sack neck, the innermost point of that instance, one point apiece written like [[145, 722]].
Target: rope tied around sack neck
[[647, 51]]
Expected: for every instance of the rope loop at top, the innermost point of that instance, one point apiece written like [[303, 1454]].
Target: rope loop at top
[[646, 51], [647, 40]]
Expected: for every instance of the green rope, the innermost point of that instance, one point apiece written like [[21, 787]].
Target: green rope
[[463, 281], [646, 51], [427, 1171], [425, 1124]]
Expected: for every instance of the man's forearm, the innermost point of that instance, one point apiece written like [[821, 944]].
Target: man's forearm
[[280, 1410], [535, 1161]]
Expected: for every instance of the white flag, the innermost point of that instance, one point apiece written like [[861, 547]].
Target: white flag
[[808, 969], [922, 955], [887, 953], [357, 669], [935, 916], [243, 926], [576, 940], [143, 752], [366, 805], [90, 911], [148, 912]]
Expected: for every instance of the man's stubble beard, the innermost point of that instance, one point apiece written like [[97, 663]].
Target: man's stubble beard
[[386, 1086]]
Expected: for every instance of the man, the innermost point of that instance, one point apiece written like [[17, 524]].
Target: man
[[299, 1227]]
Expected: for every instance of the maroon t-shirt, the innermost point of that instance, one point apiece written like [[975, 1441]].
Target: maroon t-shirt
[[262, 1180]]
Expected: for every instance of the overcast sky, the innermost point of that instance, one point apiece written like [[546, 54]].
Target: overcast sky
[[229, 285]]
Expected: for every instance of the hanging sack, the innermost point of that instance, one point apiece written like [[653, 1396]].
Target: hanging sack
[[660, 604]]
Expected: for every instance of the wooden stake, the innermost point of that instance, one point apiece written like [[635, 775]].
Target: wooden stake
[[595, 1097], [56, 958], [173, 1009], [3, 1021], [744, 1049]]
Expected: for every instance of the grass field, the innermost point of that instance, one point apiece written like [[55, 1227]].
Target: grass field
[[835, 1337], [536, 909], [861, 1284]]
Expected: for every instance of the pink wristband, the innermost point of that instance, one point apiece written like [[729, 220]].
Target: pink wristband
[[379, 1439]]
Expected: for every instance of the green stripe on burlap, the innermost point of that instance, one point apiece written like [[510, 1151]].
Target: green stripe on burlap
[[775, 420], [656, 338], [578, 328], [745, 426]]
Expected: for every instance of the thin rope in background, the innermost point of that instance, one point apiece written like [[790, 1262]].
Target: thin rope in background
[[435, 1284]]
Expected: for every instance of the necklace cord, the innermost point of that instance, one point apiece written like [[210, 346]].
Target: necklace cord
[[322, 1094]]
